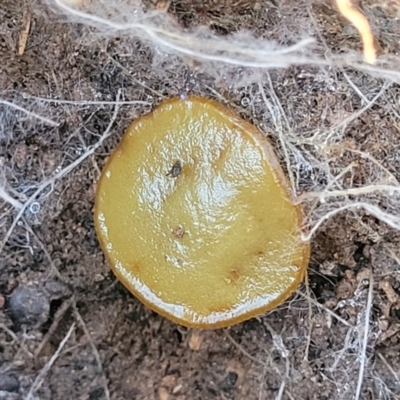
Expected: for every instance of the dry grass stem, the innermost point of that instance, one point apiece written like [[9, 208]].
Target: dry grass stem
[[94, 350], [389, 219], [24, 32], [322, 196], [45, 120], [54, 269], [357, 18], [363, 354], [9, 332], [281, 391], [10, 200], [89, 102], [42, 374], [311, 300], [241, 348], [389, 367], [57, 318], [346, 121]]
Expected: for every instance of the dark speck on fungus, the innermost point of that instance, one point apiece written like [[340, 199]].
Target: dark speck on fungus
[[175, 170]]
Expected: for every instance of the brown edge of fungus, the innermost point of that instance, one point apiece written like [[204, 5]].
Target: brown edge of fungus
[[273, 161]]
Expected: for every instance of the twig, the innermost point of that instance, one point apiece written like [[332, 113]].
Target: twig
[[30, 113], [89, 102], [128, 73], [356, 89], [346, 345], [289, 395], [333, 181], [40, 377], [24, 32], [393, 254], [94, 350], [354, 116], [388, 366], [10, 332], [280, 393], [279, 127], [365, 339], [357, 191], [57, 318], [368, 156], [241, 348], [9, 199], [66, 170], [43, 248], [343, 321], [390, 219], [310, 321], [277, 341], [357, 18]]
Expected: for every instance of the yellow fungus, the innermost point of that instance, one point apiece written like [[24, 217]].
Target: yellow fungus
[[195, 216]]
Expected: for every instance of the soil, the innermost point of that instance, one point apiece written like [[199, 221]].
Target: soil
[[69, 330]]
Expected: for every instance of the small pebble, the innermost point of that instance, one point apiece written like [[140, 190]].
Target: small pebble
[[57, 290], [229, 382], [28, 305], [96, 393], [9, 382], [163, 394], [195, 341]]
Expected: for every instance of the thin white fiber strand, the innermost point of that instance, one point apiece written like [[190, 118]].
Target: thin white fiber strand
[[242, 49], [389, 219], [29, 113], [206, 46]]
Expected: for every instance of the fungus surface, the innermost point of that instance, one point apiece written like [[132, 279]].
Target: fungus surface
[[195, 216]]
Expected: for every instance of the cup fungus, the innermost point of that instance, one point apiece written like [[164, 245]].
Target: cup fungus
[[195, 216]]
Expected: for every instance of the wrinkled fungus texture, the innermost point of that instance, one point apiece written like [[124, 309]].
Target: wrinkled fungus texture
[[196, 219]]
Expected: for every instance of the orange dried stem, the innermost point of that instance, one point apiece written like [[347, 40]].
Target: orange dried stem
[[357, 18]]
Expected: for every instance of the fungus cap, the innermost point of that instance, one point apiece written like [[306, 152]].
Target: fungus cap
[[195, 216]]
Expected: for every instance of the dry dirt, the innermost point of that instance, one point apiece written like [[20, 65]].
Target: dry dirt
[[69, 330]]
